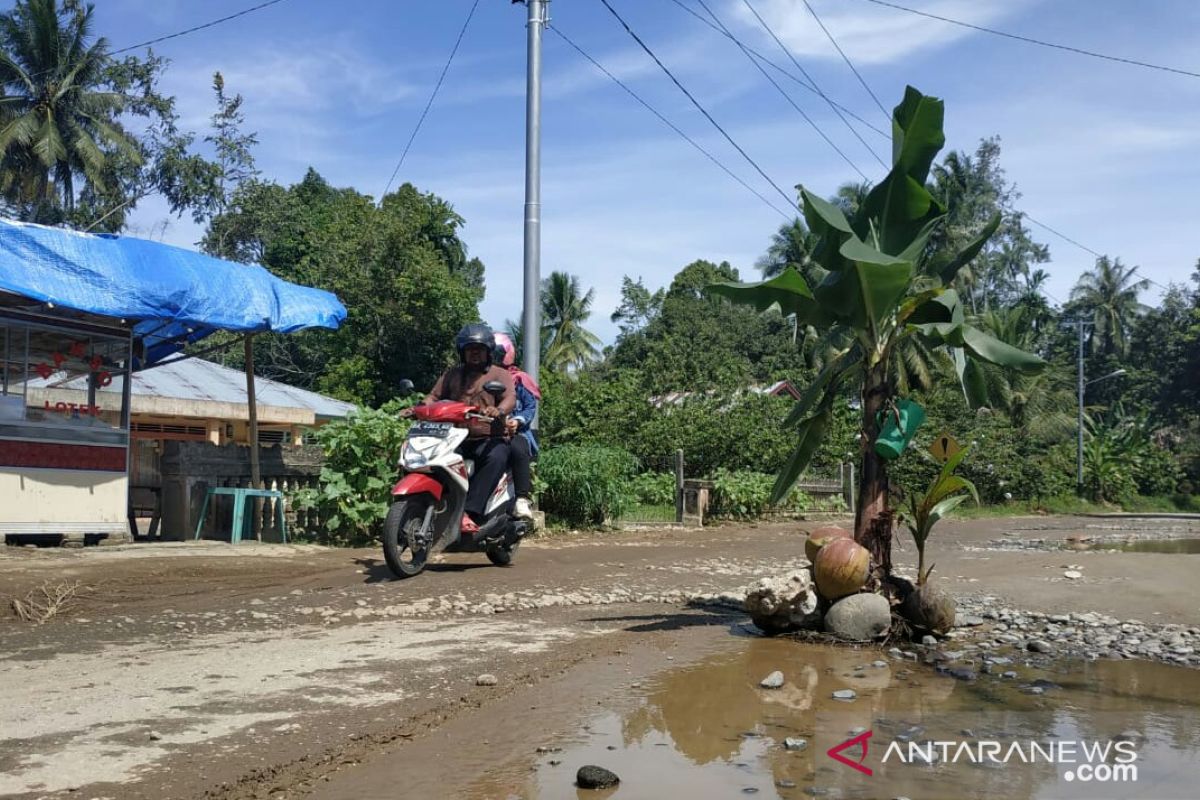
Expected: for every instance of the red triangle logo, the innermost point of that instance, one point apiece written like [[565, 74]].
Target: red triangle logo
[[835, 752]]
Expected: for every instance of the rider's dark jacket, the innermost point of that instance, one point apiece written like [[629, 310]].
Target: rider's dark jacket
[[465, 385]]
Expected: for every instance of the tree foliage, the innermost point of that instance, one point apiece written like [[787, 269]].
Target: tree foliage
[[83, 136], [400, 268]]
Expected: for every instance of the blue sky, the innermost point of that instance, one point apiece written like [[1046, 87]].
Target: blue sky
[[1104, 152]]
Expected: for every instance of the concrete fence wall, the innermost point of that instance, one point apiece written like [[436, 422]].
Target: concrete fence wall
[[189, 468]]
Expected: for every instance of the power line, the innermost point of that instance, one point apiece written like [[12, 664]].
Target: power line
[[698, 106], [1030, 40], [420, 120], [667, 122], [791, 102], [1152, 282], [1062, 236], [1085, 248], [845, 58], [775, 66], [197, 28], [804, 72]]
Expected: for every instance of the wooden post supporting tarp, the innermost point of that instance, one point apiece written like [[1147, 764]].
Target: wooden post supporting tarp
[[255, 471]]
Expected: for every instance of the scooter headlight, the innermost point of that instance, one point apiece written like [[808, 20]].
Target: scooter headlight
[[411, 459]]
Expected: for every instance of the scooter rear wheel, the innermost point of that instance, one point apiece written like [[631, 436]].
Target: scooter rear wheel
[[403, 522]]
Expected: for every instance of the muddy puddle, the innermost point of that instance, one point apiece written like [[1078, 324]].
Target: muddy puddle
[[1172, 546], [708, 730]]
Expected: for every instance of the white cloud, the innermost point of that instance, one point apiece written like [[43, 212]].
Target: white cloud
[[290, 87], [869, 34]]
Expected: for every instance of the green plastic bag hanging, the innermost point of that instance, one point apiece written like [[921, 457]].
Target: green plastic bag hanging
[[894, 438]]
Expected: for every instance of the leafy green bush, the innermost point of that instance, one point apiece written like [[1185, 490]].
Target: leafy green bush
[[1155, 470], [654, 488], [359, 471], [746, 495], [585, 485]]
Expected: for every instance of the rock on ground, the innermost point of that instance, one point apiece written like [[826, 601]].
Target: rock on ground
[[859, 617], [593, 777], [772, 681], [783, 603]]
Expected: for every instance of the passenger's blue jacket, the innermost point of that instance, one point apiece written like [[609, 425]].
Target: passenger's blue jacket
[[524, 414]]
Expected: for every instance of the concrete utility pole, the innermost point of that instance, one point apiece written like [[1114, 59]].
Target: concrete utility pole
[[1080, 327], [531, 319]]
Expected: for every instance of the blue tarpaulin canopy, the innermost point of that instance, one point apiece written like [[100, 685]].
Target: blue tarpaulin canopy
[[172, 295]]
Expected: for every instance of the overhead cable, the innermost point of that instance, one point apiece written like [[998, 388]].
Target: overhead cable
[[241, 13], [805, 73], [698, 106], [775, 66], [845, 57], [667, 122], [812, 123], [433, 95], [1039, 42]]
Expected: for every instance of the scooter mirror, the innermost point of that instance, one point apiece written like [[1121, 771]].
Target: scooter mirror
[[495, 389], [405, 388]]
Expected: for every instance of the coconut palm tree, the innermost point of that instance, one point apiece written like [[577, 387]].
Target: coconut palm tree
[[565, 308], [1109, 292], [1040, 404], [850, 196], [58, 123], [791, 245]]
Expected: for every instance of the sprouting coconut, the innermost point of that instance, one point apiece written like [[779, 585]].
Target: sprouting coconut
[[841, 568], [929, 609], [819, 537]]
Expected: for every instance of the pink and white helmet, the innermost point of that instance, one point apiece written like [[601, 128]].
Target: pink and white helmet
[[506, 352]]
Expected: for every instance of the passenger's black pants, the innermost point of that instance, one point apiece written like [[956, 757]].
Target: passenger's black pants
[[491, 460], [521, 459]]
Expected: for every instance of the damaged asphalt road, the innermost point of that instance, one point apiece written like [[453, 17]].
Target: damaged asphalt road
[[253, 671]]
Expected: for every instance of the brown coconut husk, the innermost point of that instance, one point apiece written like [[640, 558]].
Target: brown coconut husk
[[928, 610]]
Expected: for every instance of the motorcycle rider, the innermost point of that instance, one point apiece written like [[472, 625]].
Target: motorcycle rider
[[523, 446], [486, 443]]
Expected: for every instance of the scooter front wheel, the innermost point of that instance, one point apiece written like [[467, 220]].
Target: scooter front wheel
[[502, 555], [400, 533]]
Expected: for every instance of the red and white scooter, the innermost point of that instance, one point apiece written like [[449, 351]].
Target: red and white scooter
[[427, 502]]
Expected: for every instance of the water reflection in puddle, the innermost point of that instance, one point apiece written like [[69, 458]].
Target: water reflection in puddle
[[709, 731], [1171, 546]]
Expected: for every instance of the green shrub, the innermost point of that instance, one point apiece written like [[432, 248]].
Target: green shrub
[[1186, 502], [746, 495], [654, 488], [1156, 471], [586, 486], [359, 471]]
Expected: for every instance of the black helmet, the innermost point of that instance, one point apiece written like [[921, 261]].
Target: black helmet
[[475, 333]]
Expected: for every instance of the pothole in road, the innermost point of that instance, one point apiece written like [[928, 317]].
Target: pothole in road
[[1183, 545], [709, 730], [1189, 546]]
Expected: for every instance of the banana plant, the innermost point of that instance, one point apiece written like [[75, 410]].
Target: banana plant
[[926, 510], [877, 284]]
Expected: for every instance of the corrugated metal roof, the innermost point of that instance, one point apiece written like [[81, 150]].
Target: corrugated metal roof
[[197, 379]]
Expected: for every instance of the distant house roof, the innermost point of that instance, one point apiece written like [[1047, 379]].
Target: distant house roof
[[194, 387], [197, 379], [777, 389]]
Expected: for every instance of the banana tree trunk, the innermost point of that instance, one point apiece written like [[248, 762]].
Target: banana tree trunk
[[873, 518]]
